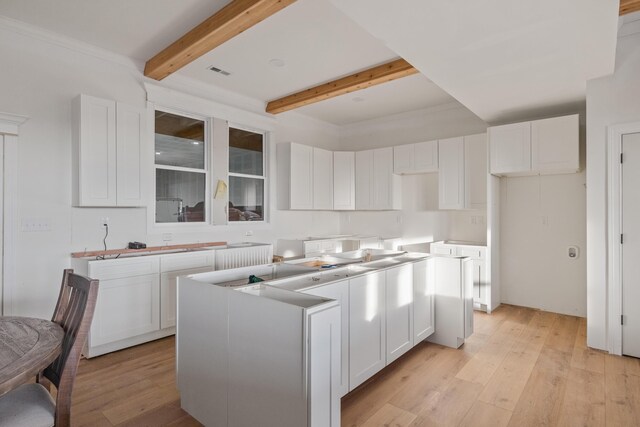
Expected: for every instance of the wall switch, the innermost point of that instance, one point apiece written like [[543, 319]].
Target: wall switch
[[31, 225], [167, 237], [474, 220]]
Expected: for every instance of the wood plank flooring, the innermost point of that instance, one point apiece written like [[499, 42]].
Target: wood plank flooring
[[522, 367]]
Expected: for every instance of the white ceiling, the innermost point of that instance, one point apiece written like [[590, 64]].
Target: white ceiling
[[314, 39], [502, 59]]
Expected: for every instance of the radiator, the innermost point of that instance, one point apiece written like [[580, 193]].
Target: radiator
[[243, 257]]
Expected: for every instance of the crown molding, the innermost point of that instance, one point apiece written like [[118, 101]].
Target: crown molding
[[69, 43], [9, 123]]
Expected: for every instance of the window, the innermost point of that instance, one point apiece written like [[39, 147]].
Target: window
[[180, 168], [246, 175]]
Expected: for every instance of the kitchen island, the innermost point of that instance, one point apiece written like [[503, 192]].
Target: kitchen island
[[282, 352]]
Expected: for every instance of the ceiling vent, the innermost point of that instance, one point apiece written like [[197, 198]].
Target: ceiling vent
[[219, 71]]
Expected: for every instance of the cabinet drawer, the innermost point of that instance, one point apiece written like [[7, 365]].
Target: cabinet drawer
[[312, 247], [329, 246], [471, 252], [121, 268], [442, 250], [186, 261]]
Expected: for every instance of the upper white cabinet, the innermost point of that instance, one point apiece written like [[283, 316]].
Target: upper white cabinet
[[108, 141], [538, 147], [462, 173], [510, 148], [322, 179], [344, 180], [416, 158], [555, 145], [377, 187], [295, 176]]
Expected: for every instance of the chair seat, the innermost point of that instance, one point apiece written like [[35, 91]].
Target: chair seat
[[30, 405]]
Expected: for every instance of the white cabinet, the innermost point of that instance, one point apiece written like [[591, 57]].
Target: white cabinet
[[322, 179], [367, 346], [137, 297], [416, 158], [451, 174], [339, 292], [126, 307], [462, 173], [423, 300], [295, 176], [108, 140], [377, 187], [344, 180], [510, 148], [478, 255], [555, 145], [545, 146], [399, 311]]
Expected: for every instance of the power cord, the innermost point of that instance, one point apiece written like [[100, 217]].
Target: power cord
[[104, 241]]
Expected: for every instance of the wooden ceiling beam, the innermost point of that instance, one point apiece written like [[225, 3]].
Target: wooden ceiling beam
[[628, 6], [361, 80], [228, 22]]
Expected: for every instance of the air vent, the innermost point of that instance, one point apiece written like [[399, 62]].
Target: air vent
[[219, 71]]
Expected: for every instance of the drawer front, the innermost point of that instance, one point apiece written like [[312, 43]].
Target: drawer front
[[186, 261], [442, 250], [314, 246], [121, 268], [472, 252]]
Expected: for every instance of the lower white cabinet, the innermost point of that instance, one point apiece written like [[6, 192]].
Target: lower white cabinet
[[482, 297], [126, 307], [399, 311], [423, 300], [367, 327], [340, 292], [137, 297]]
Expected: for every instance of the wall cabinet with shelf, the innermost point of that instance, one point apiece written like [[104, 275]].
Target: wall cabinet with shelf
[[108, 153]]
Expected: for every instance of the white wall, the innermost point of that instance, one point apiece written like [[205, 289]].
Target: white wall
[[40, 77], [610, 100], [419, 220]]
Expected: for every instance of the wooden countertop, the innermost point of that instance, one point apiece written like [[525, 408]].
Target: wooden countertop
[[148, 249]]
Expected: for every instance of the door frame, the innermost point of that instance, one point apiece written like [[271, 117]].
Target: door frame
[[614, 225], [9, 127]]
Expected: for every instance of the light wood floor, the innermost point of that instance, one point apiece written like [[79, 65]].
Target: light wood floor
[[521, 367]]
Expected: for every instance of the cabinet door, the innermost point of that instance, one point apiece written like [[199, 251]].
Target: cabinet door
[[96, 151], [322, 179], [555, 145], [425, 157], [130, 131], [125, 308], [168, 293], [324, 364], [399, 315], [403, 158], [366, 327], [339, 292], [382, 178], [344, 180], [423, 289], [510, 148], [451, 173], [364, 179], [475, 159], [301, 184]]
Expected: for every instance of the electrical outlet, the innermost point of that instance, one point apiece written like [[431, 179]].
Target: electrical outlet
[[474, 220], [104, 221], [248, 233], [167, 237]]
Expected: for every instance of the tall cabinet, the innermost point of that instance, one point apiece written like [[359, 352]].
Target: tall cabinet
[[108, 153]]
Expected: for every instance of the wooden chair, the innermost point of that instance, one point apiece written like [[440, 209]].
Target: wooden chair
[[31, 404]]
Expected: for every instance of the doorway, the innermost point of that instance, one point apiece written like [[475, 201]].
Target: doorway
[[630, 243]]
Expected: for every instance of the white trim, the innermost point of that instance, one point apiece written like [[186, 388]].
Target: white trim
[[614, 222], [9, 123]]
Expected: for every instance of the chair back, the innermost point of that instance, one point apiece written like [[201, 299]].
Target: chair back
[[74, 313]]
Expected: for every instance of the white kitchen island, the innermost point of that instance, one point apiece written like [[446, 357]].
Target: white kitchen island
[[283, 352]]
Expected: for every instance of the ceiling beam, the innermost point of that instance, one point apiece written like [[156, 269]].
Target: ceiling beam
[[360, 80], [228, 22], [628, 6]]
